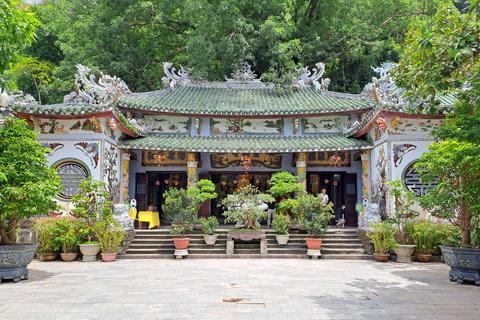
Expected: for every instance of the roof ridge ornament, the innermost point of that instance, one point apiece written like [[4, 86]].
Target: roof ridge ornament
[[171, 78], [244, 74], [18, 98], [312, 77], [384, 90], [87, 91]]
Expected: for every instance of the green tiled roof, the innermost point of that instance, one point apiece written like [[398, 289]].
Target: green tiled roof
[[327, 142], [264, 101], [77, 109]]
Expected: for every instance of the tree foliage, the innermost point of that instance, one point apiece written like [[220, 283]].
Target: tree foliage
[[130, 39], [30, 183]]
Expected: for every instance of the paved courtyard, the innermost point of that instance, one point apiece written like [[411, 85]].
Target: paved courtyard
[[237, 289]]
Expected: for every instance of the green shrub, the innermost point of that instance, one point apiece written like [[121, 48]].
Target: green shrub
[[312, 214], [281, 224], [180, 211], [422, 234], [209, 225], [110, 234], [382, 236]]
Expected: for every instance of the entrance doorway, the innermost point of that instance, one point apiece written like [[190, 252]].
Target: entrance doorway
[[226, 183], [341, 188], [151, 186]]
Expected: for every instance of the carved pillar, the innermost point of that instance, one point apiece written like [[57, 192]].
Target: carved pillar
[[191, 170], [365, 184], [126, 176], [302, 169]]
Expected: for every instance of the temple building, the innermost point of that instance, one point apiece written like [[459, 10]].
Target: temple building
[[234, 133]]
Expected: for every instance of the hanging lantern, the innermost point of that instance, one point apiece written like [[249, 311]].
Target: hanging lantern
[[235, 181], [382, 124], [257, 181], [166, 181], [112, 123], [224, 183], [335, 183], [246, 162], [176, 183], [326, 181]]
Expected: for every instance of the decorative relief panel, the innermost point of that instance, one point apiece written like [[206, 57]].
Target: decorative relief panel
[[91, 150], [166, 159], [246, 126], [409, 126], [161, 124], [225, 160], [413, 183], [53, 147], [399, 150], [326, 159], [323, 124], [71, 173]]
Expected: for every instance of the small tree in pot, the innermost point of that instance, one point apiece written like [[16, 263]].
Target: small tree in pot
[[209, 225], [27, 187], [110, 234], [181, 213], [382, 236], [281, 224], [283, 186]]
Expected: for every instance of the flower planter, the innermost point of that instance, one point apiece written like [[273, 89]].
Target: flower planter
[[314, 244], [464, 263], [404, 253], [282, 238], [14, 260], [48, 256], [89, 251], [210, 239], [380, 257], [68, 256], [423, 257], [181, 243], [108, 257]]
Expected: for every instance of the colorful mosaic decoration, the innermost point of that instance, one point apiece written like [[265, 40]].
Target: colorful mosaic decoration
[[246, 162], [110, 172], [400, 150], [246, 126], [410, 126], [172, 159], [91, 150], [165, 124], [53, 147], [324, 159], [225, 160], [335, 161], [126, 179], [323, 124], [159, 157], [382, 124]]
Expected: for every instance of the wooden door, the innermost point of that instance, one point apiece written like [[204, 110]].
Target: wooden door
[[141, 191], [206, 206], [350, 193]]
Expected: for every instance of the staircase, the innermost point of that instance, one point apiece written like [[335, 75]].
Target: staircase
[[158, 244]]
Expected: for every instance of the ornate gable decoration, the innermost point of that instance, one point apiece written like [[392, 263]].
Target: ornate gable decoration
[[171, 78], [384, 90], [312, 77], [18, 98], [244, 74], [87, 91]]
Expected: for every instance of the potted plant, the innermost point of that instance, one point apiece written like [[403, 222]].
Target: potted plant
[[69, 238], [423, 233], [454, 166], [110, 234], [48, 238], [209, 226], [91, 205], [383, 239], [27, 187], [281, 224], [181, 213], [313, 216], [403, 219]]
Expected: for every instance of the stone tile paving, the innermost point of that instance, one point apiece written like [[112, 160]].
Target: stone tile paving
[[238, 289]]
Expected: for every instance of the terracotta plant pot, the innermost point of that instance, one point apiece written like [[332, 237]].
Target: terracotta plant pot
[[381, 257], [68, 256], [423, 257], [181, 243], [108, 257], [314, 244], [48, 256]]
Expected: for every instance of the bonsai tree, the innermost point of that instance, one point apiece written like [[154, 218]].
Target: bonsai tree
[[243, 206], [403, 216], [209, 225], [27, 183], [205, 190], [313, 215], [180, 210], [91, 204], [283, 185], [454, 166]]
